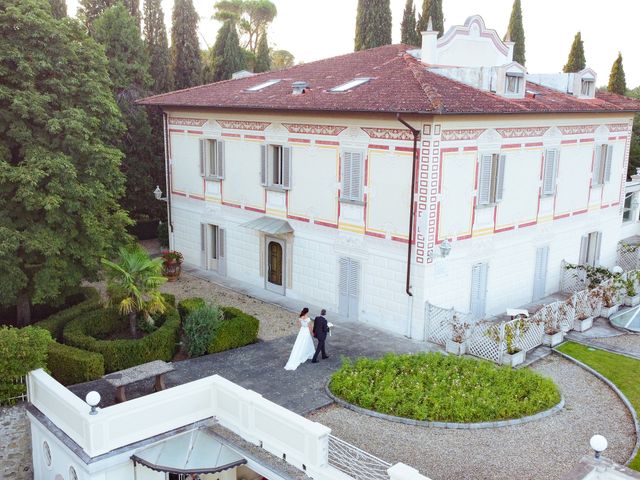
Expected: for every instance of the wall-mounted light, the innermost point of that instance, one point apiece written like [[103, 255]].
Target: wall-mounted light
[[93, 399], [445, 248], [158, 194]]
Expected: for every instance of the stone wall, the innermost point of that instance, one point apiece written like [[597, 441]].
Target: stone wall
[[15, 444]]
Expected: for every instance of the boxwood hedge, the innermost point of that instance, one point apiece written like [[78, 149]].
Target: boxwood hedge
[[56, 322], [236, 330], [71, 365]]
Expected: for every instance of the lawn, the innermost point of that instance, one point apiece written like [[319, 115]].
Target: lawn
[[623, 371], [435, 387]]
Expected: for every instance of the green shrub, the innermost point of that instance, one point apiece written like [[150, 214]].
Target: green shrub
[[85, 332], [200, 327], [435, 387], [71, 365], [56, 322], [163, 234], [170, 299], [236, 330], [188, 305], [21, 350]]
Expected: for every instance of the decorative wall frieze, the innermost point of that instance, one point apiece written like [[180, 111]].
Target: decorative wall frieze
[[462, 134], [618, 127], [243, 125], [577, 129], [313, 129], [389, 133], [187, 122], [519, 132]]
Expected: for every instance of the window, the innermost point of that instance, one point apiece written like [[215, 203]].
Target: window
[[275, 170], [549, 171], [212, 159], [587, 87], [491, 183], [350, 85], [590, 249], [626, 212], [352, 173], [46, 453], [260, 86], [602, 165], [514, 83]]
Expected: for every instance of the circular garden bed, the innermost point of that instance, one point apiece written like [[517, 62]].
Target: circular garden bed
[[431, 387]]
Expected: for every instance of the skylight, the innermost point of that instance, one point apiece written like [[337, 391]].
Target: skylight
[[356, 82], [260, 86]]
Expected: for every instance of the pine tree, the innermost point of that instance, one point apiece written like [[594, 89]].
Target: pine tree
[[617, 81], [229, 57], [59, 168], [263, 60], [431, 9], [515, 33], [408, 32], [373, 24], [58, 8], [185, 49], [576, 61], [157, 46]]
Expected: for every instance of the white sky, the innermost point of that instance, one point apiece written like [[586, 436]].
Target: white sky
[[316, 29]]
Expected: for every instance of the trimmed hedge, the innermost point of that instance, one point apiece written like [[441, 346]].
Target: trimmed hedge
[[236, 330], [121, 354], [170, 299], [70, 365], [56, 322], [188, 305]]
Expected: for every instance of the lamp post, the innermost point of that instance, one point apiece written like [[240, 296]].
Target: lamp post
[[93, 399], [598, 444], [158, 194]]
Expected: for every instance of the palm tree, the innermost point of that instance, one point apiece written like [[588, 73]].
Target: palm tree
[[132, 284]]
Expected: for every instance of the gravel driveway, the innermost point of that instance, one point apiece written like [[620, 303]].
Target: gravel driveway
[[545, 449]]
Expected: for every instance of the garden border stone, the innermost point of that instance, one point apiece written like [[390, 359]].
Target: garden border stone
[[449, 425]]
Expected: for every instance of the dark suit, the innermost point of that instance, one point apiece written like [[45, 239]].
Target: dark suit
[[320, 330]]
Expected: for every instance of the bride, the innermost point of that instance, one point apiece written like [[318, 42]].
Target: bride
[[303, 348]]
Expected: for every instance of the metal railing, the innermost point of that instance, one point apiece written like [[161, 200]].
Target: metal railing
[[355, 462], [16, 391]]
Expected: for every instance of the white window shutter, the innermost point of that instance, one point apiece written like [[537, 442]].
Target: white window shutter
[[584, 250], [484, 182], [346, 175], [220, 159], [478, 290], [263, 165], [357, 171], [286, 167], [222, 253], [500, 178], [596, 258], [607, 164], [202, 156], [549, 172], [597, 166], [203, 245], [540, 275]]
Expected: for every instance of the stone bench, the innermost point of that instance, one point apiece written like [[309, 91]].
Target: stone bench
[[121, 379]]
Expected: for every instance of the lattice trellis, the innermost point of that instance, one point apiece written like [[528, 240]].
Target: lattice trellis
[[481, 344], [531, 337], [356, 463], [572, 279], [628, 256], [438, 323]]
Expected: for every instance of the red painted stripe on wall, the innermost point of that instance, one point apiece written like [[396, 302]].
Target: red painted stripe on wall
[[587, 140], [449, 150], [195, 132], [299, 140], [300, 219], [398, 239], [404, 149], [533, 144], [374, 234], [470, 149], [379, 147], [229, 204], [566, 142], [176, 130], [325, 224], [254, 137], [528, 224], [254, 209], [512, 145], [327, 142], [231, 135]]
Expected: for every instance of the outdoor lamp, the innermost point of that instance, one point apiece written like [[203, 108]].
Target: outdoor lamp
[[598, 444], [158, 194], [617, 269], [445, 248], [93, 399]]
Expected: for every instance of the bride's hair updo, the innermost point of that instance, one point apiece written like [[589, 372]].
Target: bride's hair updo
[[304, 311]]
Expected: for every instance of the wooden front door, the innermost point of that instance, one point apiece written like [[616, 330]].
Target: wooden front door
[[275, 257]]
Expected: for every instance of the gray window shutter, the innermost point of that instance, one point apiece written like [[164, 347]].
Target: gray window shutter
[[549, 172], [354, 288], [597, 166], [484, 183], [348, 287], [357, 173], [500, 178], [343, 286], [584, 250], [286, 167], [202, 156], [220, 159], [478, 290], [346, 175], [607, 164], [540, 275], [263, 164], [222, 251], [596, 257], [203, 245]]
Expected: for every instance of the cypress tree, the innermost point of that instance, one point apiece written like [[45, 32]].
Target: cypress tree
[[229, 57], [515, 33], [431, 9], [58, 8], [91, 9], [408, 33], [576, 61], [263, 59], [373, 24], [185, 49], [157, 46], [617, 81]]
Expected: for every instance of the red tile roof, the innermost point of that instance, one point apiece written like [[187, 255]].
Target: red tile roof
[[400, 83]]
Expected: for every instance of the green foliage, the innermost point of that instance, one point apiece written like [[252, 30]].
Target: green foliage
[[157, 46], [252, 18], [236, 330], [281, 59], [576, 61], [90, 10], [408, 33], [59, 165], [431, 9], [163, 234], [263, 60], [634, 154], [435, 387], [200, 327], [228, 56], [617, 82], [55, 323], [169, 299], [58, 8], [21, 350], [185, 49], [70, 365], [515, 33], [84, 333], [189, 305], [373, 24]]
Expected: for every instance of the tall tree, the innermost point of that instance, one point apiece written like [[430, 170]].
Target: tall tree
[[59, 168], [157, 46], [263, 60], [617, 81], [229, 57], [252, 18], [515, 33], [281, 59], [58, 8], [185, 49], [373, 24], [431, 9], [91, 9], [576, 60], [408, 32], [634, 154]]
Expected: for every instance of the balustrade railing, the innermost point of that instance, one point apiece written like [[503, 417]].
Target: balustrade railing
[[355, 462]]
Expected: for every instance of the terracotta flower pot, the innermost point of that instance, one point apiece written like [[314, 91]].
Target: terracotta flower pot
[[172, 270]]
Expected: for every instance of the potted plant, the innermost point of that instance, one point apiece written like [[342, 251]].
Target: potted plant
[[171, 264], [582, 320], [632, 297], [553, 334], [457, 344], [608, 297], [513, 355]]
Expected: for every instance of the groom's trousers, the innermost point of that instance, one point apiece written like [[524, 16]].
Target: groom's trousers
[[320, 348]]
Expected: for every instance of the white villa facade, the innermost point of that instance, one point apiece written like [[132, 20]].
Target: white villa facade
[[300, 181]]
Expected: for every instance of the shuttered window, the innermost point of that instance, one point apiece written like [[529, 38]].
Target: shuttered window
[[352, 171], [491, 181], [349, 287], [212, 158], [478, 302], [275, 166], [549, 171], [540, 273], [602, 165], [590, 245]]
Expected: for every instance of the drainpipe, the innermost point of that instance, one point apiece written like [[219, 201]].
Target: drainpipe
[[165, 124], [416, 134]]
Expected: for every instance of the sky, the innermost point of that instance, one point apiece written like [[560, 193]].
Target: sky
[[316, 29]]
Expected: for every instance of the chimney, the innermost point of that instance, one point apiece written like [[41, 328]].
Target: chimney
[[430, 45], [298, 88]]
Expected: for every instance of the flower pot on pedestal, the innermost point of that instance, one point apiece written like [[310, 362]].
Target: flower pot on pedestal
[[513, 359], [552, 339], [582, 324], [456, 348]]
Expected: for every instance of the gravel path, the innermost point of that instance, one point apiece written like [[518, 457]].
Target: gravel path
[[628, 342], [545, 449]]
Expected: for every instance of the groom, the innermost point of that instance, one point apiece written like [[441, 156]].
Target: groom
[[320, 330]]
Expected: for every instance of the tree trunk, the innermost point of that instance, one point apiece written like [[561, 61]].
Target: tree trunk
[[23, 310], [132, 324]]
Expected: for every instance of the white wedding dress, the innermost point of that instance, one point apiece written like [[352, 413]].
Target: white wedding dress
[[303, 348]]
